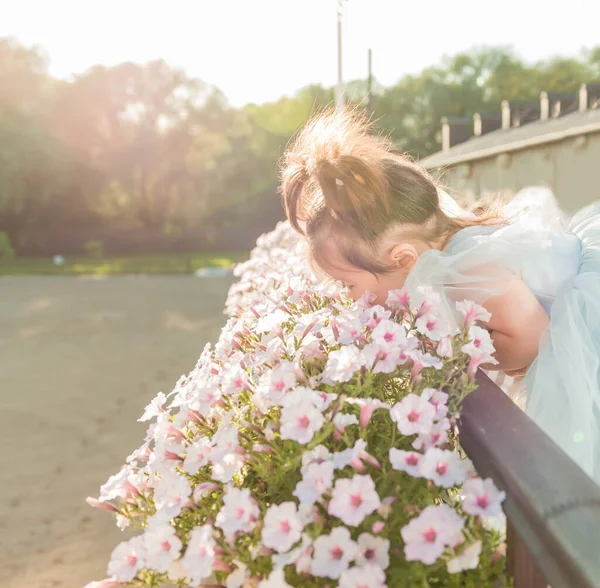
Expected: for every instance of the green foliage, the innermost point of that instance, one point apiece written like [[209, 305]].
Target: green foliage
[[6, 249], [94, 249], [149, 146]]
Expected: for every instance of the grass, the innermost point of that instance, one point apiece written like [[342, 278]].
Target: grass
[[139, 264]]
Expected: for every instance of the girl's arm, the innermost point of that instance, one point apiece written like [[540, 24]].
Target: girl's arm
[[517, 323]]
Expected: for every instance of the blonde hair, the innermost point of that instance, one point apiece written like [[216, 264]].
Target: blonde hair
[[343, 183]]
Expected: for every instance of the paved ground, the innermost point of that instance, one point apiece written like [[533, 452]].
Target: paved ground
[[79, 359]]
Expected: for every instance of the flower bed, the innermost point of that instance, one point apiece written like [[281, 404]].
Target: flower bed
[[312, 446]]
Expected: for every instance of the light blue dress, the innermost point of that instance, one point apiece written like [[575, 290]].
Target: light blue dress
[[559, 260]]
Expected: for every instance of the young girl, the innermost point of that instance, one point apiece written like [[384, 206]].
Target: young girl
[[375, 221]]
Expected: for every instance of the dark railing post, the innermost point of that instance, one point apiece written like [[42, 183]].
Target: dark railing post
[[552, 506]]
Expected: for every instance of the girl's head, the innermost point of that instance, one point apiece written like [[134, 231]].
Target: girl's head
[[367, 211]]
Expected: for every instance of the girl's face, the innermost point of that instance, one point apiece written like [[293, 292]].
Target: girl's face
[[359, 281]]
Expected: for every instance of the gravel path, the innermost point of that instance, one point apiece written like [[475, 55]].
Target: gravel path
[[79, 359]]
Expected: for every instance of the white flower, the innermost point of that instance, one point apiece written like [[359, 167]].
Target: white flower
[[238, 514], [171, 494], [382, 359], [349, 329], [343, 458], [367, 407], [439, 400], [472, 312], [154, 408], [274, 385], [426, 536], [116, 485], [342, 364], [203, 398], [297, 555], [437, 435], [317, 478], [199, 556], [237, 578], [318, 455], [341, 420], [227, 467], [275, 580], [282, 527], [398, 299], [413, 414], [127, 559], [444, 348], [333, 553], [198, 455], [388, 332], [482, 497], [162, 547], [225, 440], [353, 499], [406, 461], [267, 323], [300, 422], [373, 550], [433, 326], [479, 342], [234, 381], [442, 467], [468, 559], [371, 317], [367, 577]]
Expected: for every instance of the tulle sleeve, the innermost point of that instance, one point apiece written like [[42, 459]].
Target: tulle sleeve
[[478, 263]]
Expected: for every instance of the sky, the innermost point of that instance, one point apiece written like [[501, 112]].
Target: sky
[[259, 50]]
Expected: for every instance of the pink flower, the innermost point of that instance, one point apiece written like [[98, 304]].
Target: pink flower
[[204, 398], [275, 580], [333, 553], [274, 385], [341, 421], [381, 358], [472, 312], [367, 407], [426, 536], [413, 414], [199, 556], [107, 583], [444, 348], [406, 461], [318, 455], [433, 326], [203, 489], [388, 332], [171, 494], [369, 576], [480, 349], [431, 299], [398, 300], [163, 547], [482, 497], [342, 365], [198, 455], [467, 559], [374, 315], [127, 559], [438, 399], [421, 361], [95, 503], [238, 514], [349, 329], [300, 422], [444, 468], [317, 478], [353, 499], [282, 527], [154, 408], [373, 550], [234, 381], [437, 435]]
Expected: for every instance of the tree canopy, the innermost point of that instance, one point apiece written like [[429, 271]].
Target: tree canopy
[[146, 146]]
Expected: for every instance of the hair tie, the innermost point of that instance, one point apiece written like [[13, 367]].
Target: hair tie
[[339, 182]]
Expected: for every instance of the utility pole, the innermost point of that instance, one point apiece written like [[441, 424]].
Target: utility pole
[[339, 90]]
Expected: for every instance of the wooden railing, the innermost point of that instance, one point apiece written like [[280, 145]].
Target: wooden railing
[[552, 506]]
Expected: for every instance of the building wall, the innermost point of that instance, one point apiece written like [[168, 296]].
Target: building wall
[[570, 168]]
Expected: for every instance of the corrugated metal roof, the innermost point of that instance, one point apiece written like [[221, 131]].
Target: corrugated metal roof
[[516, 138]]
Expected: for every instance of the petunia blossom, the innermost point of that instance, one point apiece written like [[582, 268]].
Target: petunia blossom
[[333, 553], [282, 527], [199, 555], [353, 499], [482, 497], [443, 467], [413, 414]]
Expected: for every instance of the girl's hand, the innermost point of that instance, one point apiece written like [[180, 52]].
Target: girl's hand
[[517, 374]]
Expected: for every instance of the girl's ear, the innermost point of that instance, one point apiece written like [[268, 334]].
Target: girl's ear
[[405, 255]]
